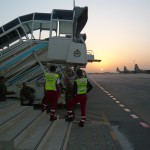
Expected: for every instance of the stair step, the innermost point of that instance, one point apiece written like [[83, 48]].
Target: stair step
[[33, 137], [12, 130], [7, 105], [28, 129], [24, 128], [8, 115], [8, 108], [55, 137]]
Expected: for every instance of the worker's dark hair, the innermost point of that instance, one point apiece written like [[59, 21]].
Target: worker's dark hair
[[79, 73], [52, 68]]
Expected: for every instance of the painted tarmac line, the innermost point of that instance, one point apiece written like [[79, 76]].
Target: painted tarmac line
[[105, 118], [127, 110], [101, 87], [121, 105], [145, 125], [111, 96], [96, 83], [101, 118], [134, 116], [112, 133]]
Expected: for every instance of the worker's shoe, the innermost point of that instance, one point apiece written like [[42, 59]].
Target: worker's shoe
[[66, 116], [53, 118], [81, 124], [69, 119]]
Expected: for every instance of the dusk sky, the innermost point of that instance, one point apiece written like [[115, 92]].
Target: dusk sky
[[118, 31]]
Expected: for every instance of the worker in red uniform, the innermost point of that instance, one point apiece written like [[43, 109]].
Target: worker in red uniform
[[81, 87], [52, 91]]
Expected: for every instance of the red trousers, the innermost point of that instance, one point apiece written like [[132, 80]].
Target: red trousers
[[82, 99], [51, 96]]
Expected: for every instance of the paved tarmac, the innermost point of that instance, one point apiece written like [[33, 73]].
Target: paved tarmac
[[97, 133], [102, 107], [124, 99]]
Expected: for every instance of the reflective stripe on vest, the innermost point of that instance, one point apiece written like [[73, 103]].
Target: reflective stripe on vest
[[50, 81], [81, 85]]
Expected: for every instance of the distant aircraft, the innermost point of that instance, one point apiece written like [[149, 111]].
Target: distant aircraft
[[136, 70], [118, 70], [125, 70]]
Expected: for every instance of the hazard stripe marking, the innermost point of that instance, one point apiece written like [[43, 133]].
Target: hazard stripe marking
[[144, 125]]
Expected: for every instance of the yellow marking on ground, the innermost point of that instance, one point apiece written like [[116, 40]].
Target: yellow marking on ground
[[101, 116], [105, 118], [112, 133]]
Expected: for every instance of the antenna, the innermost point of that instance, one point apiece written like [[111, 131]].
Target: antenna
[[73, 3], [134, 62]]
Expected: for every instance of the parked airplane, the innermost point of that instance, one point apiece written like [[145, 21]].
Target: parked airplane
[[136, 70], [118, 70], [125, 70]]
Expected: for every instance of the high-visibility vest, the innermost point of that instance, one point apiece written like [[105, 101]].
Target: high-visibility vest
[[81, 85], [51, 81]]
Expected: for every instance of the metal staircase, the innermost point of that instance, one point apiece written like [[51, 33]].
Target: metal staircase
[[22, 128], [28, 45], [54, 37]]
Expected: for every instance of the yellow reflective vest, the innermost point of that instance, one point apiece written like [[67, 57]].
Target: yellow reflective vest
[[81, 85], [51, 81]]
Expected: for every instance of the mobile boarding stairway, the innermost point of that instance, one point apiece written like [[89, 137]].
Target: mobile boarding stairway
[[28, 45], [25, 42]]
